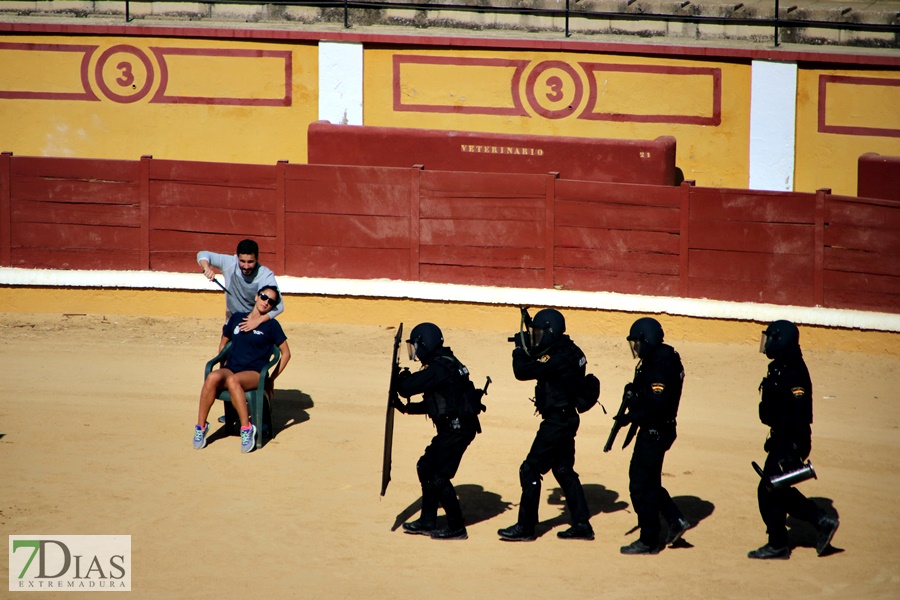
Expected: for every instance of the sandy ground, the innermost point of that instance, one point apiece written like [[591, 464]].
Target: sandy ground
[[96, 422]]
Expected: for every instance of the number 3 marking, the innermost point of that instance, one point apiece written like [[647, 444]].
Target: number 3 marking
[[555, 83], [127, 77], [128, 71], [562, 88]]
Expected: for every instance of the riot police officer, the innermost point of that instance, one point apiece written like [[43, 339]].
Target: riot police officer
[[654, 395], [450, 401], [786, 407], [551, 358]]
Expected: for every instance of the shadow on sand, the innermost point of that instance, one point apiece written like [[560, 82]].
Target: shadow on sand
[[803, 535], [477, 505], [288, 408]]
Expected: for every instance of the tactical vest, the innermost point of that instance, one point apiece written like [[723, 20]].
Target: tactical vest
[[667, 360], [561, 390], [457, 397]]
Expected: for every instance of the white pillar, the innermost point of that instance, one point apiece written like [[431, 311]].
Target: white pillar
[[773, 110], [341, 83]]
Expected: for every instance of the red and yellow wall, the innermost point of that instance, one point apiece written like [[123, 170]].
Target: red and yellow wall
[[248, 96], [182, 98]]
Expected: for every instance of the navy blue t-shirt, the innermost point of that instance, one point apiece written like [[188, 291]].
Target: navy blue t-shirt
[[250, 349]]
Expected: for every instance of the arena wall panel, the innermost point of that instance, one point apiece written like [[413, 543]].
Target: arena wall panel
[[861, 266], [610, 237], [475, 228], [211, 205], [619, 281], [589, 159], [492, 229], [67, 212], [350, 222], [878, 176]]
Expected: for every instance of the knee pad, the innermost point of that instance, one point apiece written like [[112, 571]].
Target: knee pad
[[528, 476], [424, 471], [442, 485], [564, 473]]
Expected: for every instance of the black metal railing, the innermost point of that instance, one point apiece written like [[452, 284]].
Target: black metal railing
[[781, 18]]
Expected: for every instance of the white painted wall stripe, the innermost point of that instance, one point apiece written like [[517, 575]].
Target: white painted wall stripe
[[341, 83], [773, 108], [412, 290]]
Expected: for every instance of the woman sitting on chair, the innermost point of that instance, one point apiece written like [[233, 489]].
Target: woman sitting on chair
[[250, 351]]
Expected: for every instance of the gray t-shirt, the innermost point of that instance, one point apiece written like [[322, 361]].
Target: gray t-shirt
[[242, 290]]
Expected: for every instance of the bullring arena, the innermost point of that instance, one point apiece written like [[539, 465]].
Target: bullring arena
[[719, 184], [102, 389]]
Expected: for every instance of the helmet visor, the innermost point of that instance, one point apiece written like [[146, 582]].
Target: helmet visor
[[412, 348], [635, 346], [764, 342], [536, 335]]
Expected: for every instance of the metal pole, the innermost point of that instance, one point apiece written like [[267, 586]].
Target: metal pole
[[127, 11], [776, 23], [567, 19], [346, 16]]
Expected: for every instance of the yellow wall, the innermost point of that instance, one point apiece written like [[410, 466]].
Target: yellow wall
[[855, 109], [450, 94], [455, 315], [116, 116], [115, 103]]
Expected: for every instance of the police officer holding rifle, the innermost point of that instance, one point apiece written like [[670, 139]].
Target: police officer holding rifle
[[544, 354]]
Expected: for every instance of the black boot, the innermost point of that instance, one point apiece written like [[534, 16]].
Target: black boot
[[638, 547], [578, 531], [676, 530], [826, 527], [768, 552], [446, 533], [516, 533], [418, 527]]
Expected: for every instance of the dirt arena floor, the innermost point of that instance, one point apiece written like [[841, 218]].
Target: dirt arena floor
[[98, 410]]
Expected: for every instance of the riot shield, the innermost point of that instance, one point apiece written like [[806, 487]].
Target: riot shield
[[389, 415]]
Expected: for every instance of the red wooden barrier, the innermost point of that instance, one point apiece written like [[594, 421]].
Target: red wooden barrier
[[878, 176], [589, 159], [617, 238], [484, 229], [5, 209], [455, 227], [352, 222], [68, 213], [752, 246], [210, 206], [862, 253]]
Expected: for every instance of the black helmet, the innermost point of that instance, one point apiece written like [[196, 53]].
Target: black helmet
[[778, 337], [547, 328], [424, 340], [646, 334]]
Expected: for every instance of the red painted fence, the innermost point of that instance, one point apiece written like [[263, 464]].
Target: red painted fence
[[878, 176], [520, 230], [586, 159]]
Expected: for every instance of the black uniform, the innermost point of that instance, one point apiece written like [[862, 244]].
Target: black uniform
[[557, 371], [786, 407], [444, 382], [658, 379]]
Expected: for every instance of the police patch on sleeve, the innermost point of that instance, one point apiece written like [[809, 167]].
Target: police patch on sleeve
[[657, 388], [798, 392], [544, 358]]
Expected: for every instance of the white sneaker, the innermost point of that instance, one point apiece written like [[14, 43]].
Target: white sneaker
[[200, 436]]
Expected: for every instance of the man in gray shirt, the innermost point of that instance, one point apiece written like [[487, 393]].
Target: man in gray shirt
[[244, 277]]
